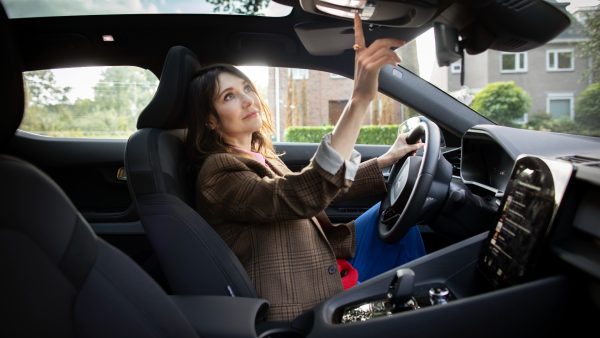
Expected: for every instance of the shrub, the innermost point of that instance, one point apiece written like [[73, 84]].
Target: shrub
[[368, 134], [502, 102], [545, 122], [587, 108]]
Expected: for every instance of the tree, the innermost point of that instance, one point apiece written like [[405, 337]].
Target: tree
[[126, 90], [591, 47], [587, 108], [502, 102], [42, 89], [247, 7], [46, 102], [119, 97]]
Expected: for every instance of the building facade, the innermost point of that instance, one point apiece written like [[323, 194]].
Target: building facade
[[553, 75]]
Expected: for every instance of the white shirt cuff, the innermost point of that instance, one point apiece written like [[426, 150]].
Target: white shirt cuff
[[331, 161]]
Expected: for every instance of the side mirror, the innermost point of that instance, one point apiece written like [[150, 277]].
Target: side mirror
[[447, 48]]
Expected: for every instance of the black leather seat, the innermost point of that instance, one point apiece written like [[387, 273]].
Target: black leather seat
[[193, 256], [57, 279]]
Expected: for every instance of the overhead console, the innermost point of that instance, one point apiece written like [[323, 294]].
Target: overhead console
[[516, 280]]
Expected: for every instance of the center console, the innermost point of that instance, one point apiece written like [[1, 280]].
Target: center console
[[501, 283]]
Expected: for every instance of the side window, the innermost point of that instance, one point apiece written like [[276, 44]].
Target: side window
[[86, 102], [306, 104]]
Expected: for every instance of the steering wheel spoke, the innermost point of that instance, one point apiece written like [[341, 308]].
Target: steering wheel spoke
[[410, 183]]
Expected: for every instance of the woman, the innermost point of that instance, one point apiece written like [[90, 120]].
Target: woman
[[273, 218]]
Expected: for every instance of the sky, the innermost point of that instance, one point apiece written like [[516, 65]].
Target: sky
[[82, 84], [33, 8]]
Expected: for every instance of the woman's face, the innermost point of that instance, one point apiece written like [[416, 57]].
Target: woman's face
[[238, 108]]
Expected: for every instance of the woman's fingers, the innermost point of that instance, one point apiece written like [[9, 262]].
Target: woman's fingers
[[359, 36], [369, 60], [382, 57], [378, 50], [389, 43]]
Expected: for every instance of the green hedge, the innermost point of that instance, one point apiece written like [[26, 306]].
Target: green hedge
[[368, 134]]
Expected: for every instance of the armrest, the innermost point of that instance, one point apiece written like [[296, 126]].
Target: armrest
[[221, 316]]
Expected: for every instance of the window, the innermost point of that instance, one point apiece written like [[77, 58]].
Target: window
[[299, 74], [303, 111], [560, 105], [513, 62], [95, 102], [456, 67], [560, 60], [336, 107]]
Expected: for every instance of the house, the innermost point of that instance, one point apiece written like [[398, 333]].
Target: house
[[553, 74]]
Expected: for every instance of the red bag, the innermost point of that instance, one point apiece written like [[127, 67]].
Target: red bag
[[348, 273]]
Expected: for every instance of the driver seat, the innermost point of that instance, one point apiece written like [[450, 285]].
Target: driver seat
[[194, 258]]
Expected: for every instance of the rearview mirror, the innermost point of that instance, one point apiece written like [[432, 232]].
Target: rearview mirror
[[447, 47]]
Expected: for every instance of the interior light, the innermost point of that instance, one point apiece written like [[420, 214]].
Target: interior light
[[108, 38], [347, 8], [347, 3]]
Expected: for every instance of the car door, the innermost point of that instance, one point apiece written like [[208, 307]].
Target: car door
[[76, 131]]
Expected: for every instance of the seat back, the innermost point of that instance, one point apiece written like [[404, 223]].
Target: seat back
[[57, 278], [194, 258]]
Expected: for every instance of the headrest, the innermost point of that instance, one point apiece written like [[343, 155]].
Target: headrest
[[11, 78], [166, 110]]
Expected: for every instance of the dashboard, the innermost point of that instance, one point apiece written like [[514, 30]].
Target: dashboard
[[489, 152], [484, 162]]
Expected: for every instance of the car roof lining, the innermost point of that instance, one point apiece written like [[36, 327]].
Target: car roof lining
[[301, 39]]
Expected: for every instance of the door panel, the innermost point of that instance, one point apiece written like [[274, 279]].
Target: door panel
[[86, 170]]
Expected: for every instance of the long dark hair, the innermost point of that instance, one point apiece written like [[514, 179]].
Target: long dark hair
[[201, 140]]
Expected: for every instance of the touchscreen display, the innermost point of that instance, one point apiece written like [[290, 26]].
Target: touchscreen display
[[510, 250]]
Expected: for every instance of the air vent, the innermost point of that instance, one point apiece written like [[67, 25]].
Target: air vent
[[454, 157], [582, 160], [576, 159], [516, 5]]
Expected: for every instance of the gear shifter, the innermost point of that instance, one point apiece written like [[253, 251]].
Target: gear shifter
[[400, 291], [398, 298]]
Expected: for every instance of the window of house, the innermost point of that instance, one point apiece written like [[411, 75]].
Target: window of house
[[560, 60], [455, 67], [513, 62], [299, 74], [86, 102], [560, 105], [522, 120]]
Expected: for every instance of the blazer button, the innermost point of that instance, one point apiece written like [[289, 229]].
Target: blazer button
[[332, 269]]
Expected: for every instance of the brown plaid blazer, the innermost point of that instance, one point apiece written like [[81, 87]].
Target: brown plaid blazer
[[273, 220]]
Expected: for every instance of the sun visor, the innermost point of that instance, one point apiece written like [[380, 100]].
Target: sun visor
[[317, 36]]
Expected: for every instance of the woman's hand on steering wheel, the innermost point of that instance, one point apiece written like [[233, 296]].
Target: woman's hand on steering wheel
[[398, 150]]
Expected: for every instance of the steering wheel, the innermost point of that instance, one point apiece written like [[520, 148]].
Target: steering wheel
[[416, 185]]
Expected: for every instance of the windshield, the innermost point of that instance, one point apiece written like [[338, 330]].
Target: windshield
[[45, 8], [553, 87]]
